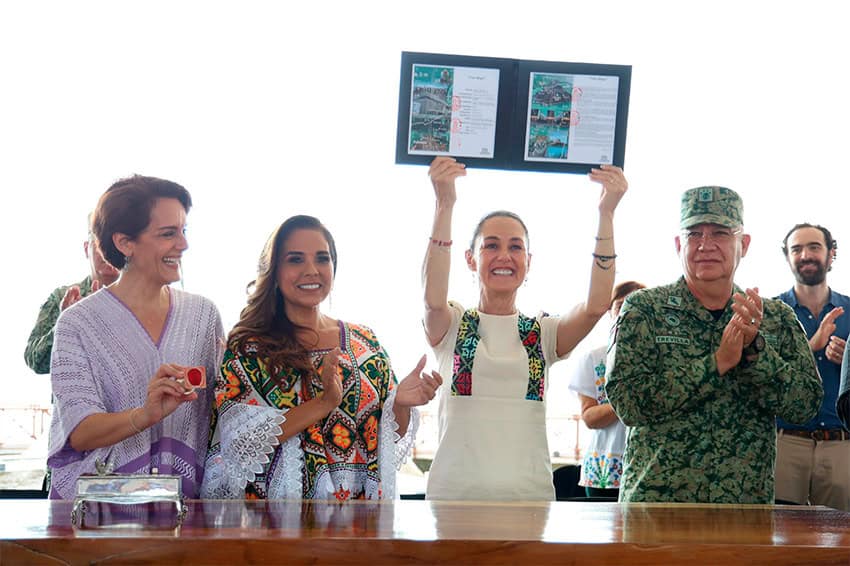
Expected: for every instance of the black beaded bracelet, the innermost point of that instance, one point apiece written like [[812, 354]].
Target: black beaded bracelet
[[601, 260]]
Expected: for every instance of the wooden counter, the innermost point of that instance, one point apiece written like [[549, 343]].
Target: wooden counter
[[231, 532]]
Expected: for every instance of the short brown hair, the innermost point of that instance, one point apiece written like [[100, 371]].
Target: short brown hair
[[623, 290], [125, 208]]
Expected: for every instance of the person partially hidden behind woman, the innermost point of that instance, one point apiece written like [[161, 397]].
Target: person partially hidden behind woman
[[602, 465], [120, 356], [492, 416], [307, 406]]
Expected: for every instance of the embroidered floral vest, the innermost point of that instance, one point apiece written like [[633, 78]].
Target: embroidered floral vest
[[467, 343]]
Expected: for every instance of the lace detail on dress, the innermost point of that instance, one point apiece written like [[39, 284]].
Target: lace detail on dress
[[285, 482], [393, 450], [248, 436]]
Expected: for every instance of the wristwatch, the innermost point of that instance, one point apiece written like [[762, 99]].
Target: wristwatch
[[756, 347]]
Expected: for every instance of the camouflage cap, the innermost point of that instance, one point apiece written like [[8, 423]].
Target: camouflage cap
[[711, 205]]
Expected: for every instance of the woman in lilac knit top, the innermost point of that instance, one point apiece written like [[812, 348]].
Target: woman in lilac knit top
[[120, 355]]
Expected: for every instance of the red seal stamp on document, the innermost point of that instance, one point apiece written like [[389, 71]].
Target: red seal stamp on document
[[577, 92]]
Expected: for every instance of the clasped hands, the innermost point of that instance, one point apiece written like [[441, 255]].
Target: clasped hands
[[741, 329]]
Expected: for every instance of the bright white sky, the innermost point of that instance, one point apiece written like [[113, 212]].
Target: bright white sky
[[268, 109]]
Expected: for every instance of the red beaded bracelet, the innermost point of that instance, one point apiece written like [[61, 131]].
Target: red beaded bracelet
[[441, 243]]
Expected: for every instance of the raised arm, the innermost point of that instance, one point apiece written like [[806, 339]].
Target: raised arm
[[581, 320], [435, 268]]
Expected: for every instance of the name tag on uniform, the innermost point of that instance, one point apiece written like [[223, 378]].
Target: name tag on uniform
[[672, 340]]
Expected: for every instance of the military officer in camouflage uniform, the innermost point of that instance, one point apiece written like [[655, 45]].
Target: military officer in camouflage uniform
[[700, 369], [37, 352]]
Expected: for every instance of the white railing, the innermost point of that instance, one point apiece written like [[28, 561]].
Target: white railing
[[22, 425]]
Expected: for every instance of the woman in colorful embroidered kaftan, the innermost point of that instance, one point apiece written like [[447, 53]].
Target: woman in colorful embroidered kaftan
[[121, 355], [307, 406], [492, 416]]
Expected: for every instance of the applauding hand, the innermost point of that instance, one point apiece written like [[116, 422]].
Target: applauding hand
[[731, 347], [418, 387], [748, 313], [331, 380], [820, 339]]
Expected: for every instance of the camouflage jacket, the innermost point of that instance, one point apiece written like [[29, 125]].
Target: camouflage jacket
[[694, 435], [37, 352]]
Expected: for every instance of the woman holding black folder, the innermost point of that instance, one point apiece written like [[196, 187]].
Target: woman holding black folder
[[492, 417]]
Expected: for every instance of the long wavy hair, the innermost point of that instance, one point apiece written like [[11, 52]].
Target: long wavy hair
[[263, 323]]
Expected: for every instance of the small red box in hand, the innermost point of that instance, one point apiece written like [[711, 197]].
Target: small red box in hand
[[196, 377]]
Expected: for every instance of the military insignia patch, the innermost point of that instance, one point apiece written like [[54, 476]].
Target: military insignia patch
[[706, 194], [671, 319], [674, 301]]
